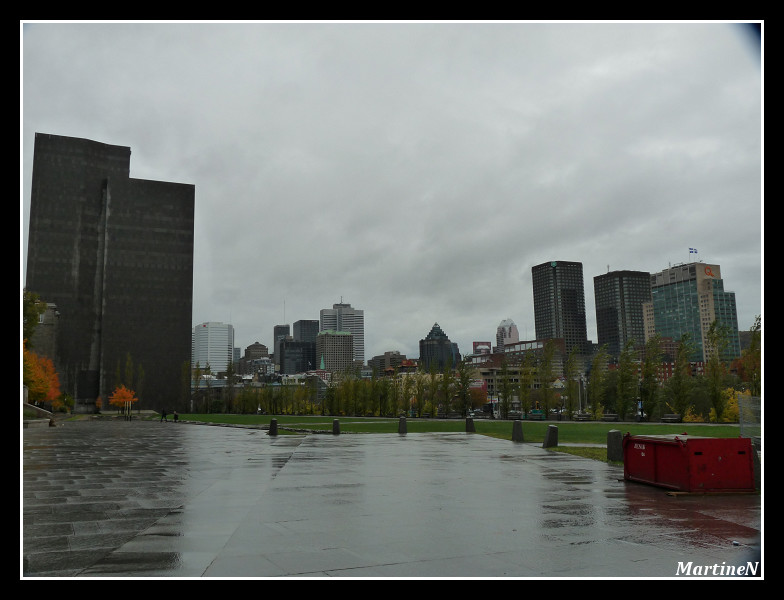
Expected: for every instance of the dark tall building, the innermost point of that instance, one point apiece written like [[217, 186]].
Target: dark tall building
[[437, 350], [619, 297], [559, 304], [296, 357], [279, 333], [115, 254], [306, 330]]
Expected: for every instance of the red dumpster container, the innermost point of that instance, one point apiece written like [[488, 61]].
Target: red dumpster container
[[688, 463]]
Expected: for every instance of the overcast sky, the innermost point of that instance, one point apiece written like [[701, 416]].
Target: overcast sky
[[419, 170]]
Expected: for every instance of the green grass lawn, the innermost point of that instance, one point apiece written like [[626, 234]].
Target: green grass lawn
[[533, 431]]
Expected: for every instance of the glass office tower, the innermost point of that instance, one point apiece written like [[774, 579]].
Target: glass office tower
[[688, 298]]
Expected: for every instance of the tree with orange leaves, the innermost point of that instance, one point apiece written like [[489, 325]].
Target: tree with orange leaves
[[41, 379], [122, 397]]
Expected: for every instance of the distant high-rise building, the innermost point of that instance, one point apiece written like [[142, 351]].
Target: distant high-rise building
[[342, 317], [687, 299], [115, 255], [306, 330], [506, 333], [213, 346], [437, 350], [389, 360], [559, 304], [335, 351], [296, 356], [279, 333], [620, 297], [254, 352]]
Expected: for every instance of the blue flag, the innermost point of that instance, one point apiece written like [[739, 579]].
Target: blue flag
[[692, 250]]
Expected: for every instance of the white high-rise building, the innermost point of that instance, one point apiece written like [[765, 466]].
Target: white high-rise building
[[506, 334], [342, 317], [213, 345]]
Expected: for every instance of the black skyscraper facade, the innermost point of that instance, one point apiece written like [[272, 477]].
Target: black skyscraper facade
[[115, 254], [306, 330], [559, 303], [438, 351], [296, 357], [619, 297]]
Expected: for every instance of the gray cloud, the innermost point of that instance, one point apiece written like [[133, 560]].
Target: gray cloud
[[419, 170]]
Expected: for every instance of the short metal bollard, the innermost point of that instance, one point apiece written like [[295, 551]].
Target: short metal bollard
[[336, 427], [470, 425], [401, 426], [273, 430], [550, 437], [517, 431]]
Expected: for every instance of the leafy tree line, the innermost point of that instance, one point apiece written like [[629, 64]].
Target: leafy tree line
[[424, 392], [710, 397]]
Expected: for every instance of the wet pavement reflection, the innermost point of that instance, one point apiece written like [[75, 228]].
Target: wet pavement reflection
[[109, 498]]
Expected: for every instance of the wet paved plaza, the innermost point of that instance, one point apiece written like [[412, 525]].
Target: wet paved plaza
[[111, 498]]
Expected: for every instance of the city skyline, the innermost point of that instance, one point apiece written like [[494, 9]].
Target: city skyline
[[508, 325], [419, 170]]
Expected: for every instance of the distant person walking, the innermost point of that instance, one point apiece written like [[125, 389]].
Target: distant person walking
[[163, 415], [176, 416]]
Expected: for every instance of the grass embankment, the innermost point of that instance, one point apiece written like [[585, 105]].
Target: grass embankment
[[533, 431]]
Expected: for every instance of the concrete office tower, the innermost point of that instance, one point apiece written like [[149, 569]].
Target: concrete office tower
[[620, 297], [506, 333], [213, 344], [438, 351], [254, 352], [387, 362], [559, 304], [687, 298], [115, 254], [335, 351], [342, 317]]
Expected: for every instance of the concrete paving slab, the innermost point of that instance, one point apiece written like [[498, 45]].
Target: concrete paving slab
[[141, 499]]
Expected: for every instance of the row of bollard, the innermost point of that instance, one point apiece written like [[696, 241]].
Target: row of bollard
[[273, 427], [550, 436], [614, 436]]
